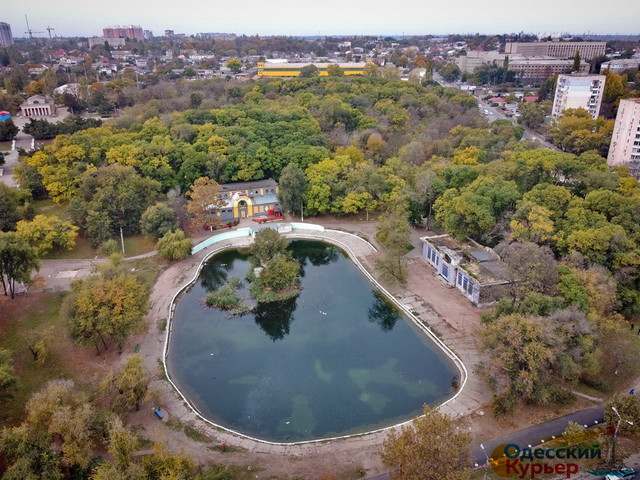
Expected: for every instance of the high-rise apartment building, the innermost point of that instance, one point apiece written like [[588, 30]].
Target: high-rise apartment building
[[578, 91], [124, 31], [625, 141], [588, 50], [6, 39]]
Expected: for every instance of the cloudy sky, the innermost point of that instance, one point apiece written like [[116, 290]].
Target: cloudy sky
[[329, 17]]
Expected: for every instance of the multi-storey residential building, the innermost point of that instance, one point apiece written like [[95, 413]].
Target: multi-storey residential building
[[578, 91], [6, 39], [124, 31], [537, 70], [273, 69], [625, 141], [588, 50]]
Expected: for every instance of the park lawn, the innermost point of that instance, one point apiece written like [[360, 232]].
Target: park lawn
[[34, 311], [137, 245], [49, 207]]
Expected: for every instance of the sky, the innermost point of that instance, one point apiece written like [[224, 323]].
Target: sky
[[329, 17]]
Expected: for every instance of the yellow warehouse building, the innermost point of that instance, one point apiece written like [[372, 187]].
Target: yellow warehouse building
[[267, 69]]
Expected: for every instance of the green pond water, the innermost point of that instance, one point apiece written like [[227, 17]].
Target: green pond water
[[338, 359]]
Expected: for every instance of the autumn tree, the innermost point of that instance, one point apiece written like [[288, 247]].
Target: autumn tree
[[430, 448], [393, 233], [204, 201], [8, 378], [39, 343], [47, 233], [122, 444], [106, 306], [158, 220], [129, 386], [334, 70], [234, 65], [62, 414], [175, 245], [17, 261]]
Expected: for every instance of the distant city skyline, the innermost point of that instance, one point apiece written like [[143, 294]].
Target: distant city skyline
[[330, 17]]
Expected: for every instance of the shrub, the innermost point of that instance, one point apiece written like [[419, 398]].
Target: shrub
[[175, 245]]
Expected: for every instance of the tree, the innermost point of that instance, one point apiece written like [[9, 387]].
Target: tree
[[309, 71], [281, 272], [122, 446], [334, 70], [205, 200], [47, 233], [130, 385], [175, 245], [267, 245], [371, 70], [10, 200], [38, 342], [234, 65], [111, 305], [450, 72], [17, 261], [158, 220], [8, 378], [430, 448], [8, 130], [292, 186], [576, 62], [64, 415]]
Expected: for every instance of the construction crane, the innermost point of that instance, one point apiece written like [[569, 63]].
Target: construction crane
[[29, 31], [48, 29]]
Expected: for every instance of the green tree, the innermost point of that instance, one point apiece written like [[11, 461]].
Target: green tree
[[267, 244], [175, 245], [234, 65], [281, 272], [576, 62], [47, 233], [10, 200], [450, 72], [371, 70], [158, 220], [8, 130], [430, 448], [292, 187], [309, 71], [17, 261]]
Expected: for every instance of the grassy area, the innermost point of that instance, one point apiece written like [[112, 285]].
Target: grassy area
[[138, 245], [49, 207], [188, 430], [82, 250], [32, 313]]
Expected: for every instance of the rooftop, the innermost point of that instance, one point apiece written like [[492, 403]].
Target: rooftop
[[481, 262], [229, 187]]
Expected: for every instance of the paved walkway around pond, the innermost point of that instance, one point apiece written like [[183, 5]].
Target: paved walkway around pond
[[361, 448]]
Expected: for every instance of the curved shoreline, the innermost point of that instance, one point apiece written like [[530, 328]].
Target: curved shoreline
[[313, 234]]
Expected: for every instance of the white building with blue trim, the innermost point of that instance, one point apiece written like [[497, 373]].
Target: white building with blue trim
[[475, 270]]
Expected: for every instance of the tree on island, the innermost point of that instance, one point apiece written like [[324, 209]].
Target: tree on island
[[267, 245]]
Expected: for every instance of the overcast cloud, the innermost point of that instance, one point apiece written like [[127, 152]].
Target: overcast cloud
[[329, 17]]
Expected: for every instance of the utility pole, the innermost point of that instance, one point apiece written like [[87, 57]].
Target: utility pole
[[122, 241]]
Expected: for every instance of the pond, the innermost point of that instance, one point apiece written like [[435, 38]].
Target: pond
[[339, 359]]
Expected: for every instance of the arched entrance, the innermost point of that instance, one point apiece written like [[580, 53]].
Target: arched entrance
[[243, 209]]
